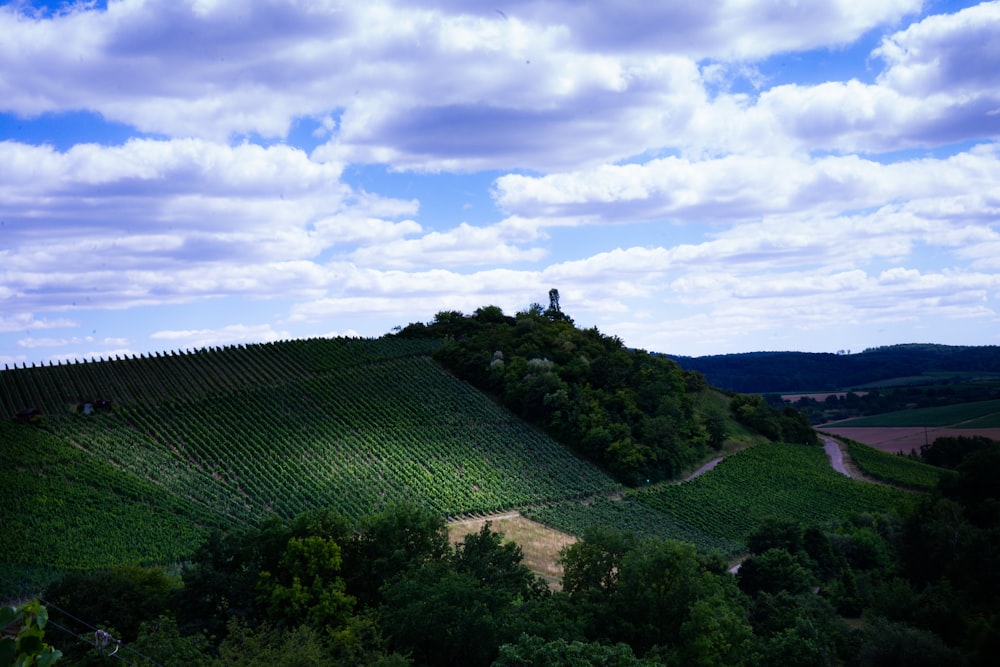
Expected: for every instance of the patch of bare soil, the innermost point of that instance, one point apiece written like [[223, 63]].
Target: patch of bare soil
[[540, 544]]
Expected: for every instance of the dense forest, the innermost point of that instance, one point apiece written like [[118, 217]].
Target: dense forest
[[766, 372], [918, 586], [639, 415]]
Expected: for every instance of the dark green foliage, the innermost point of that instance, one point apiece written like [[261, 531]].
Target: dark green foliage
[[889, 644], [486, 557], [530, 651], [444, 617], [458, 610], [774, 533], [774, 571], [787, 424], [268, 647], [118, 600], [949, 452], [630, 411], [160, 640], [390, 543]]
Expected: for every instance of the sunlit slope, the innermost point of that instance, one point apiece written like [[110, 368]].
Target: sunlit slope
[[353, 432]]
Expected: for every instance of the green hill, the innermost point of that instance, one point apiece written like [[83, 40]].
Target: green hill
[[223, 438]]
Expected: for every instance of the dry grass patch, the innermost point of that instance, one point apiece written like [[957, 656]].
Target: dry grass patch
[[541, 545]]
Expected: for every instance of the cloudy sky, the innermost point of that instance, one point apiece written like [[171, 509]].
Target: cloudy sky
[[706, 177]]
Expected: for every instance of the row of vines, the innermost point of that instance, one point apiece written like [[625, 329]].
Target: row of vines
[[62, 387], [354, 440], [64, 509], [719, 510], [894, 469]]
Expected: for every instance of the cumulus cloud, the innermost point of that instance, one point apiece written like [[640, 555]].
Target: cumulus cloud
[[744, 187], [628, 169], [227, 335]]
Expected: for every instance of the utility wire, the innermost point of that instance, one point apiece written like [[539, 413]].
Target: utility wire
[[98, 632]]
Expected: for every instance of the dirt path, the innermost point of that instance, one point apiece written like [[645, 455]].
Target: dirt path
[[836, 456], [705, 468]]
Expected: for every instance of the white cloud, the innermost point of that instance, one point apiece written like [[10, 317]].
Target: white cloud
[[28, 322], [744, 187], [464, 245], [227, 335]]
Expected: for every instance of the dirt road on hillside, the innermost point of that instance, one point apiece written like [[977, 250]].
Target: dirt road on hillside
[[836, 456]]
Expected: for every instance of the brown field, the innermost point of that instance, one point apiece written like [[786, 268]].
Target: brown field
[[904, 438], [541, 545]]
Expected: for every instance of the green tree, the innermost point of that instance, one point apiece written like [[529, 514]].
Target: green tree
[[444, 618], [773, 571], [27, 646], [307, 587], [531, 651], [399, 538]]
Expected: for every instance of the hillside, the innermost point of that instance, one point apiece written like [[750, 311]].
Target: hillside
[[225, 438], [638, 415], [287, 503], [766, 372]]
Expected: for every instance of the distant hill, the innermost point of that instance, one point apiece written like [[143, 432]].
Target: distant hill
[[772, 372]]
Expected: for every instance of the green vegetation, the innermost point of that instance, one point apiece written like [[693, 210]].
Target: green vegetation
[[22, 635], [78, 512], [161, 492], [894, 469], [917, 584], [980, 414], [635, 414], [350, 433], [719, 510], [630, 515]]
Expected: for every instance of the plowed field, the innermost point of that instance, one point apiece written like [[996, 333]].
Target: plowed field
[[904, 438]]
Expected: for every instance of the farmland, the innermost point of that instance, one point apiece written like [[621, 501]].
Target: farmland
[[718, 510], [897, 470], [908, 430], [182, 443], [191, 447]]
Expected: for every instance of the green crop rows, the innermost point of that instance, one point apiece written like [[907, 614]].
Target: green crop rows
[[896, 469], [64, 509], [719, 509], [351, 425]]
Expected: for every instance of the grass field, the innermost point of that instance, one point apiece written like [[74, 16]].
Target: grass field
[[540, 544]]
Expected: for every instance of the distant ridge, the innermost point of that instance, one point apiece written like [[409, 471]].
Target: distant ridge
[[770, 372]]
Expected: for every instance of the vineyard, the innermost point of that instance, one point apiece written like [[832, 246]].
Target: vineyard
[[135, 460], [274, 429], [894, 469], [719, 510]]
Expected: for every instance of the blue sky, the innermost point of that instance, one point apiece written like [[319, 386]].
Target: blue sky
[[695, 178]]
